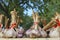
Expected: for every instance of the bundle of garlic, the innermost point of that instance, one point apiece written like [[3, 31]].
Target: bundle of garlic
[[1, 25], [10, 32], [19, 30], [35, 30], [55, 32], [55, 24]]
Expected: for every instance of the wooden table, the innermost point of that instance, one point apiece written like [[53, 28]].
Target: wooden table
[[29, 38]]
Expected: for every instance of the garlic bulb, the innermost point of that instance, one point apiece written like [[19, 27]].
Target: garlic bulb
[[43, 33], [9, 33], [28, 32], [54, 33], [20, 32]]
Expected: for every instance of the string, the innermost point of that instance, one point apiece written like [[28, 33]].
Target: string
[[0, 25], [58, 23], [13, 25]]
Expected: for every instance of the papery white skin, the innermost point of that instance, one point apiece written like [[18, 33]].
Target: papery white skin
[[10, 33], [54, 33], [1, 33]]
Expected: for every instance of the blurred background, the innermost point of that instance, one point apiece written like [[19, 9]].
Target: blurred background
[[45, 8]]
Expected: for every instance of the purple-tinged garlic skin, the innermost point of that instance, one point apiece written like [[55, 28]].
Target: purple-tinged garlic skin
[[28, 32], [20, 32], [19, 35], [36, 32], [42, 32], [32, 33]]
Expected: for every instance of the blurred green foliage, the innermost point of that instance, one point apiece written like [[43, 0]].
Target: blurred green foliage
[[45, 8]]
